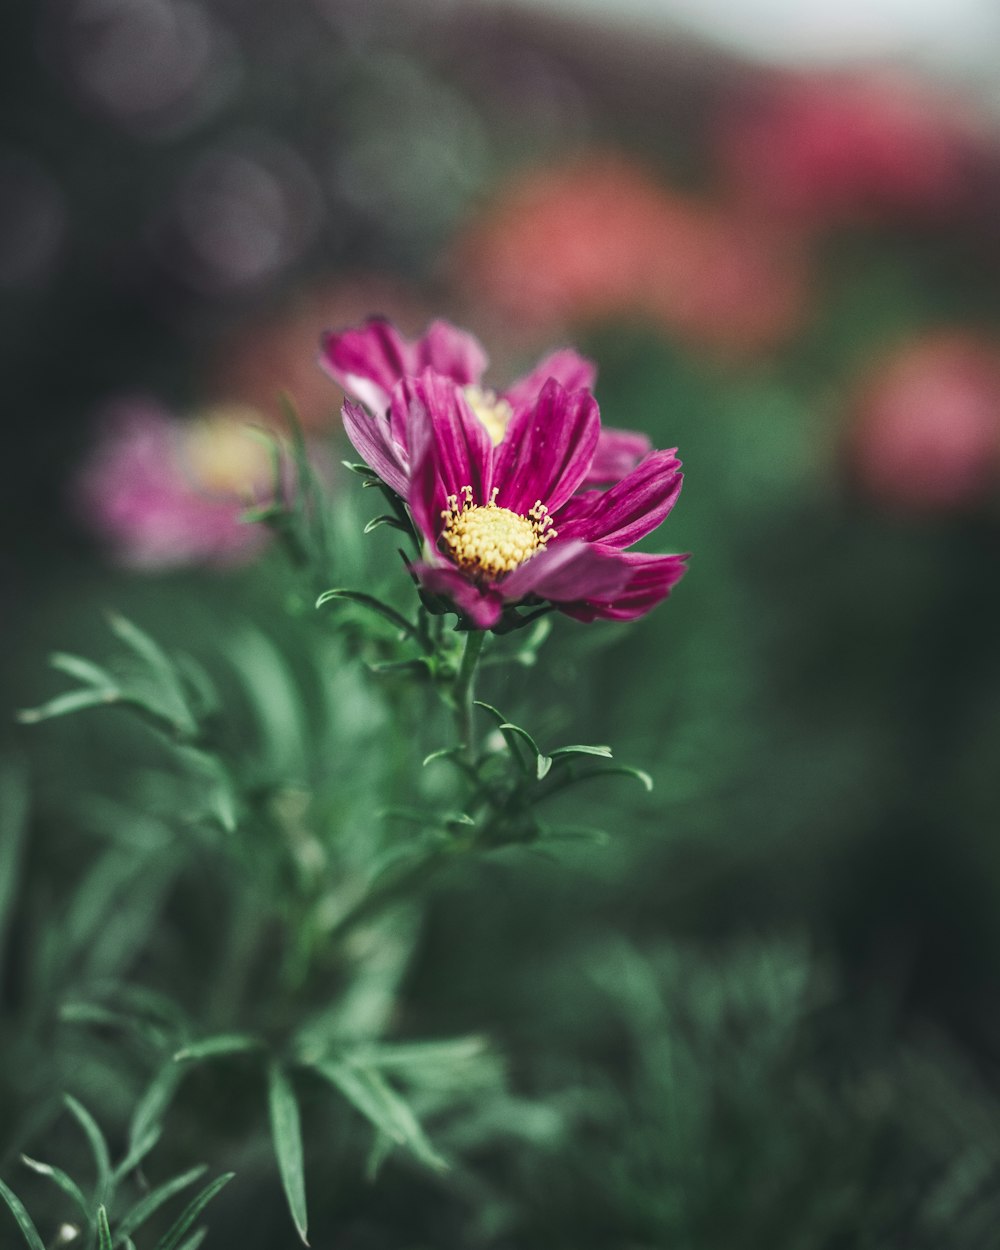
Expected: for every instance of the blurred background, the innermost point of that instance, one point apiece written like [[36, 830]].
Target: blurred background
[[766, 1014]]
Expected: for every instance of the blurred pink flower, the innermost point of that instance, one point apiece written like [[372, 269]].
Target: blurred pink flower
[[822, 147], [927, 429], [601, 237], [165, 493]]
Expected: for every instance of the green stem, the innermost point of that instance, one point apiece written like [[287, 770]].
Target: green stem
[[463, 693]]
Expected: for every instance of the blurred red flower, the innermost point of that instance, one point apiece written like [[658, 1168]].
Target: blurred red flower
[[824, 147], [601, 237]]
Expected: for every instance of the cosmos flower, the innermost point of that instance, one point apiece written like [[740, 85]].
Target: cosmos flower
[[164, 493], [505, 523], [370, 361]]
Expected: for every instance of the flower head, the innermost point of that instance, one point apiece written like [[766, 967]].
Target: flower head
[[370, 361], [166, 493], [504, 524]]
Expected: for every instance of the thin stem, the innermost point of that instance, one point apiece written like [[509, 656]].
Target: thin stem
[[463, 693]]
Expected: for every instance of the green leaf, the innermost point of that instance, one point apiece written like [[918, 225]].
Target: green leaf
[[64, 704], [152, 1202], [617, 770], [171, 1239], [580, 749], [195, 1240], [148, 1115], [373, 605], [219, 1045], [286, 1133], [103, 1231], [87, 671], [420, 1054], [106, 1017], [376, 523], [98, 1145], [362, 470], [369, 1092], [510, 737], [23, 1218], [542, 765], [160, 666], [65, 1183]]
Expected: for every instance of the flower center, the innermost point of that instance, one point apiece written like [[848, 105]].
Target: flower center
[[487, 541], [220, 455], [492, 412]]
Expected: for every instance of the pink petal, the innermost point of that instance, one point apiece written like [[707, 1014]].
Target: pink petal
[[630, 509], [482, 605], [461, 447], [568, 571], [371, 438], [453, 352], [618, 452], [547, 450], [367, 362], [571, 370], [651, 579]]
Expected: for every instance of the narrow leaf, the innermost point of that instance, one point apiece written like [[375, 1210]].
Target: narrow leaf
[[98, 1145], [362, 470], [148, 1115], [64, 704], [369, 1092], [523, 735], [373, 605], [195, 1240], [420, 1054], [65, 1183], [171, 1240], [579, 749], [378, 521], [152, 1202], [103, 1231], [286, 1133], [23, 1218], [219, 1045], [159, 664], [87, 671]]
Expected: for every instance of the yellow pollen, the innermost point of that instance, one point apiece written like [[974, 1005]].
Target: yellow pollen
[[493, 413], [487, 541]]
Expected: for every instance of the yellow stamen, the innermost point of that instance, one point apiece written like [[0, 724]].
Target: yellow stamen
[[487, 541], [492, 411]]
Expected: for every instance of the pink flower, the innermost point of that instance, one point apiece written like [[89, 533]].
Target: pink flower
[[502, 523], [927, 430], [370, 361], [166, 493]]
